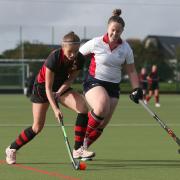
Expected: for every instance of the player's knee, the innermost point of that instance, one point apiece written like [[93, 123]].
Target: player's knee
[[84, 108], [37, 128], [102, 110]]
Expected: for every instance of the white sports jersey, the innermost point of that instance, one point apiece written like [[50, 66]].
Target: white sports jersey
[[106, 63]]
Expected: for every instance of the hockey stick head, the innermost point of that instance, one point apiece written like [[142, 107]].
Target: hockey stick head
[[76, 164], [80, 165]]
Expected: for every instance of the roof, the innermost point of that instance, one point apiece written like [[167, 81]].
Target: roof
[[169, 43]]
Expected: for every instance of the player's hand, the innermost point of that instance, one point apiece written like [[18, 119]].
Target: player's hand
[[136, 95], [58, 114]]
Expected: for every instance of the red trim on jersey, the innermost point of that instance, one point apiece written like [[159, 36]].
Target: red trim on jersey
[[41, 75], [106, 40], [42, 72], [92, 66], [62, 56]]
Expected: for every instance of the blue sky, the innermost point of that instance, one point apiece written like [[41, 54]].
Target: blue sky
[[37, 17]]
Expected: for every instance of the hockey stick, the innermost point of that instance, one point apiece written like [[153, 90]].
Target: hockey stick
[[163, 125], [76, 164]]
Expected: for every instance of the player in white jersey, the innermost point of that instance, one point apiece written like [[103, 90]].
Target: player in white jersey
[[101, 87]]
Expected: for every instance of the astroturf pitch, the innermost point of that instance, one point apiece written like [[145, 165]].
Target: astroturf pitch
[[132, 147]]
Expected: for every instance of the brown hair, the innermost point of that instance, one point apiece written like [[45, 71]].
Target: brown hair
[[116, 17], [71, 38]]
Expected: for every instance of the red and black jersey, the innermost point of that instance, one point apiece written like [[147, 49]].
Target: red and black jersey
[[143, 78], [143, 81], [153, 77], [61, 67]]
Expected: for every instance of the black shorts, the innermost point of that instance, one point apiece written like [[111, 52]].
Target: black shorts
[[144, 85], [112, 89], [39, 93], [153, 86]]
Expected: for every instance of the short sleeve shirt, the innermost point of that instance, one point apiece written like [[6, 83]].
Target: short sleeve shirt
[[61, 67], [106, 63]]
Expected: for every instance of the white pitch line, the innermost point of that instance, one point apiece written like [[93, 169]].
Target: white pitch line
[[110, 125]]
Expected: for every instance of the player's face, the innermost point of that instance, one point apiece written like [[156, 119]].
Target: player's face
[[143, 71], [154, 68], [114, 31], [71, 51]]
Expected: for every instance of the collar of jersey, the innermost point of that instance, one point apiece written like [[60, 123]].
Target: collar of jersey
[[62, 57], [106, 39]]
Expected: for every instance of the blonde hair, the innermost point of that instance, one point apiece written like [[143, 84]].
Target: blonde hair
[[71, 38]]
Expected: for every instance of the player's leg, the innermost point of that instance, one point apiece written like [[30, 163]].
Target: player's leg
[[156, 96], [99, 101], [95, 134], [150, 94], [76, 102], [39, 115], [145, 95]]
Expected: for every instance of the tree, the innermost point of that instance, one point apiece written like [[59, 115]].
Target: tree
[[31, 51], [147, 56], [138, 50]]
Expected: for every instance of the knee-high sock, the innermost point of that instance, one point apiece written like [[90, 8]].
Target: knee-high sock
[[93, 122], [157, 99], [25, 136], [93, 136], [80, 130], [148, 98]]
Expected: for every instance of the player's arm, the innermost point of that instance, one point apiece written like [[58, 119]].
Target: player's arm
[[137, 92], [149, 79], [134, 79], [87, 48], [68, 82], [48, 85]]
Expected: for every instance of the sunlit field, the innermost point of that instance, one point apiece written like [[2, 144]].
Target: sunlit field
[[132, 147]]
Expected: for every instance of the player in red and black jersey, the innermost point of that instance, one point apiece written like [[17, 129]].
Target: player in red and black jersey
[[153, 82], [143, 82], [54, 81]]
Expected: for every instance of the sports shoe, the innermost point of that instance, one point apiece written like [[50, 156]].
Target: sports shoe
[[83, 154], [10, 155], [157, 105], [145, 102]]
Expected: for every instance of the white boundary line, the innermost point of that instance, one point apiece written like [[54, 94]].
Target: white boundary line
[[110, 125]]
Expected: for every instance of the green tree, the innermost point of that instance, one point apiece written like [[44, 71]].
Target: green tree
[[147, 56], [31, 51], [138, 50]]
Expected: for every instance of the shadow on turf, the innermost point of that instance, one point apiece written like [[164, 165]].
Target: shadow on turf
[[102, 164], [117, 164]]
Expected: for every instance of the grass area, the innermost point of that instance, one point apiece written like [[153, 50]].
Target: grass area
[[133, 146]]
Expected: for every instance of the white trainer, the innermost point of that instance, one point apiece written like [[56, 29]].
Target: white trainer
[[83, 153], [10, 155], [145, 102], [157, 105]]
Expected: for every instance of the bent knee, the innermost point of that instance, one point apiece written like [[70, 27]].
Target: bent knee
[[101, 111], [37, 128]]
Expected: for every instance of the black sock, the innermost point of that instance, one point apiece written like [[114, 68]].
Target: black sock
[[80, 130], [25, 136]]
